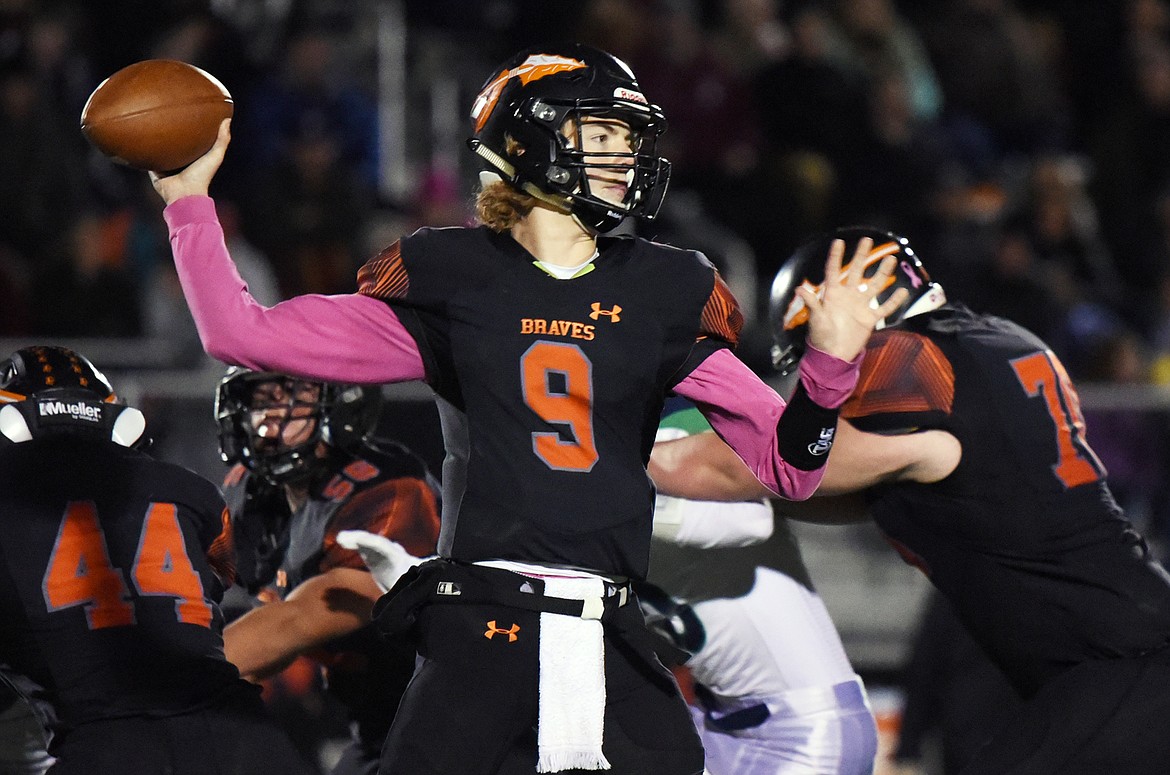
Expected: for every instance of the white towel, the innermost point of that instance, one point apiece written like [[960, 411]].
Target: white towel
[[572, 683]]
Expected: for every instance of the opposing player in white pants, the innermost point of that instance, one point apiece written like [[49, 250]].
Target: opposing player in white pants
[[776, 694]]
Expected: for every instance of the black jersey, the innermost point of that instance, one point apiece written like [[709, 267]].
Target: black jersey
[[385, 490], [108, 596], [1024, 537], [550, 390]]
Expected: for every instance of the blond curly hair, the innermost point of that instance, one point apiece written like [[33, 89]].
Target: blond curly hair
[[499, 206]]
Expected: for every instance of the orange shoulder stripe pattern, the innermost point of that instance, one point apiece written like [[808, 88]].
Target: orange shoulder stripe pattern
[[384, 276], [902, 372], [721, 316]]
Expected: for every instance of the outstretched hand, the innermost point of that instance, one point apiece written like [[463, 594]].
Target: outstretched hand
[[195, 178], [840, 323]]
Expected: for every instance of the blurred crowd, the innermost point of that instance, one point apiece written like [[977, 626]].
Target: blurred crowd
[[1023, 145]]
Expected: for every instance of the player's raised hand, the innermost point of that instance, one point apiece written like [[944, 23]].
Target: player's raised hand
[[841, 322], [195, 178]]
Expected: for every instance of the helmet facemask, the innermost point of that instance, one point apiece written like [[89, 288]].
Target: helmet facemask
[[284, 429], [272, 424], [643, 174]]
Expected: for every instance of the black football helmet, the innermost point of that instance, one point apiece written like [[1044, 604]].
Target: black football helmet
[[47, 390], [518, 120], [787, 313], [344, 416]]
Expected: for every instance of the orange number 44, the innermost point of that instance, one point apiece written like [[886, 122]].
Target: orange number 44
[[80, 571]]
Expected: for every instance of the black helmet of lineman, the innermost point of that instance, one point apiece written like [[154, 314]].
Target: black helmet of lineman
[[344, 416], [787, 313], [519, 120], [47, 390]]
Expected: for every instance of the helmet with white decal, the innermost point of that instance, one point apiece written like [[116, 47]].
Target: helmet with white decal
[[47, 390]]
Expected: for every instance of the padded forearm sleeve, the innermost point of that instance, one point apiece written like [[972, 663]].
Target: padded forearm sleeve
[[805, 431]]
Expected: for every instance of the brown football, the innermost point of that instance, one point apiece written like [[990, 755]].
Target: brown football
[[158, 114]]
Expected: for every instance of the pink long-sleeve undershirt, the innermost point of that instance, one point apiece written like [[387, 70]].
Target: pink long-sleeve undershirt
[[356, 338], [744, 411], [344, 338]]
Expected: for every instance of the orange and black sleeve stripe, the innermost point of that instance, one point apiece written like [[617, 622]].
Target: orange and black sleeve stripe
[[721, 316], [384, 276], [404, 510]]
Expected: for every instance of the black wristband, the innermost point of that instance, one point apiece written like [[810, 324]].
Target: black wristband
[[805, 432]]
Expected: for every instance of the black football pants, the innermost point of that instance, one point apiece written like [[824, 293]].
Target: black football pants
[[471, 707]]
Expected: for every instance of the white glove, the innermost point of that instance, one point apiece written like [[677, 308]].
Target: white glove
[[386, 559]]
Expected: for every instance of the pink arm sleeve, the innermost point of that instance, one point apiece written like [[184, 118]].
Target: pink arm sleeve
[[345, 338], [744, 411]]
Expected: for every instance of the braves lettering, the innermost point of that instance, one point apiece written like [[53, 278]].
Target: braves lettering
[[569, 328]]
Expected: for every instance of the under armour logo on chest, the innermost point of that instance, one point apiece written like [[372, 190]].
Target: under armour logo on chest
[[613, 314]]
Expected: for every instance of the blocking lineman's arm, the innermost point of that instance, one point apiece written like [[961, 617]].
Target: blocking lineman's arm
[[386, 559], [703, 467], [265, 640], [860, 460]]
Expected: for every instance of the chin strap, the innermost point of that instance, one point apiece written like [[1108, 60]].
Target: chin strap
[[36, 418], [558, 202]]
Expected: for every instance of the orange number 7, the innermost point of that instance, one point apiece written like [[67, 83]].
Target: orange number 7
[[1041, 374], [80, 571]]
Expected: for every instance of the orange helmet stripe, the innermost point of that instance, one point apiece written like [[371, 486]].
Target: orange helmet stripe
[[797, 313], [531, 69]]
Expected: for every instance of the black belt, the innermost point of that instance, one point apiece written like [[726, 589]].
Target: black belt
[[442, 581], [447, 582]]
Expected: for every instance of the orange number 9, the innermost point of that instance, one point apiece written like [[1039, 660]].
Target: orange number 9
[[570, 405]]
